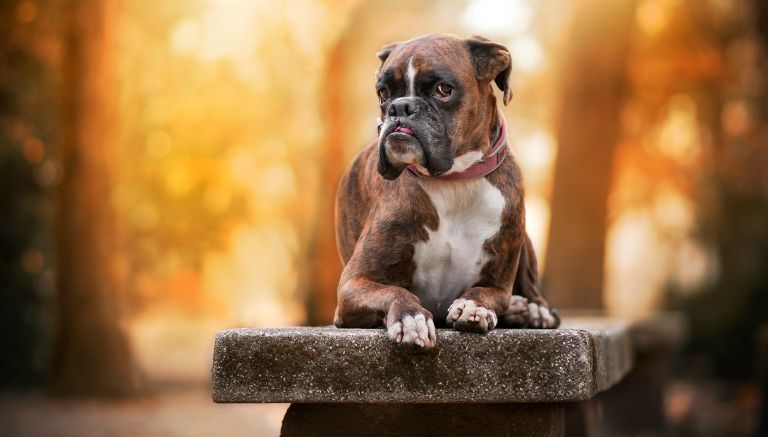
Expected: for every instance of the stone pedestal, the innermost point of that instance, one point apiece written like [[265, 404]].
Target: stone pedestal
[[340, 381], [636, 404]]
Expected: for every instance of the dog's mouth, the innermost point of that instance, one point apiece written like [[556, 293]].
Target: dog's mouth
[[404, 129], [401, 145], [401, 132], [398, 148]]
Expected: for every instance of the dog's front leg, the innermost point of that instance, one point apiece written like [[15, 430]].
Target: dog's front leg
[[366, 304], [539, 314]]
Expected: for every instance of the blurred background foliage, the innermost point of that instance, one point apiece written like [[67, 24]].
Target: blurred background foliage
[[640, 128]]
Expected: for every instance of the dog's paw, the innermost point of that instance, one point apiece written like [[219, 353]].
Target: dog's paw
[[539, 316], [465, 315], [413, 329], [517, 313]]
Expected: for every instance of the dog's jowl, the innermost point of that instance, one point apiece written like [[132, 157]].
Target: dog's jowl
[[430, 220]]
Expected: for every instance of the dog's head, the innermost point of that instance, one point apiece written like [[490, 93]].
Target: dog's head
[[436, 100]]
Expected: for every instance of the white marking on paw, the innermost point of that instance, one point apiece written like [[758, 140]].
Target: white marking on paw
[[413, 330], [534, 318], [395, 331], [547, 319], [464, 314], [517, 304], [540, 317]]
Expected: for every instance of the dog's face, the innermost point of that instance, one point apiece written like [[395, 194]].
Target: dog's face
[[436, 100]]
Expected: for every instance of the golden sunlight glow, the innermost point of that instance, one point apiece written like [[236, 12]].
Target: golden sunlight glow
[[649, 246], [634, 265], [231, 29], [673, 212], [678, 135], [227, 29], [653, 16], [159, 143], [536, 152], [695, 265], [527, 54], [145, 216], [258, 261], [490, 17], [179, 180], [217, 198], [537, 215], [185, 37]]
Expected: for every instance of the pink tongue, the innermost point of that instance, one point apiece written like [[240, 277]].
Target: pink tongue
[[404, 130]]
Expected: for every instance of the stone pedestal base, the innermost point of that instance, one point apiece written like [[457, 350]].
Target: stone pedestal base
[[466, 420]]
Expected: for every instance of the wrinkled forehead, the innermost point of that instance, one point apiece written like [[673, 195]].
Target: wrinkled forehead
[[428, 54]]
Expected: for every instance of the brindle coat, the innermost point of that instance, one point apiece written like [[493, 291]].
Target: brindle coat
[[379, 219]]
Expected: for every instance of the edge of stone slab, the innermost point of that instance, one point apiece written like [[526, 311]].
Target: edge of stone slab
[[606, 344], [612, 348]]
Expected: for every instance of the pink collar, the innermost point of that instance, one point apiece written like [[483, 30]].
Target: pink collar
[[484, 166]]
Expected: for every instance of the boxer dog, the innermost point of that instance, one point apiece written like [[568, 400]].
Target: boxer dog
[[430, 220]]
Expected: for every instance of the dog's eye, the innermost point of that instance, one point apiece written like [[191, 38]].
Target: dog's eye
[[443, 91], [383, 94]]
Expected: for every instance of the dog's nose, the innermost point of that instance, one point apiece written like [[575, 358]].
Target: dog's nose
[[403, 107]]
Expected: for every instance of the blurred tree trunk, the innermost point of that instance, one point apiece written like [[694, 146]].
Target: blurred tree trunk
[[326, 264], [593, 91], [91, 352]]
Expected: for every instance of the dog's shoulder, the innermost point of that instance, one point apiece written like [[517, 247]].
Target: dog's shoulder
[[508, 179], [392, 209]]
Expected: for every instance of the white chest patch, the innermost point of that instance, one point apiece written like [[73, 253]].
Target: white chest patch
[[451, 259]]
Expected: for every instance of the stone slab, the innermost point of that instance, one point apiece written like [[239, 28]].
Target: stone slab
[[362, 365]]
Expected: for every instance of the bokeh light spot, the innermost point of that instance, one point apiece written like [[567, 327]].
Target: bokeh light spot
[[33, 261], [178, 181], [527, 54], [652, 17], [33, 150], [537, 216], [678, 136], [26, 11], [145, 217], [159, 143], [47, 173], [537, 150], [217, 199], [185, 37], [736, 118], [497, 17]]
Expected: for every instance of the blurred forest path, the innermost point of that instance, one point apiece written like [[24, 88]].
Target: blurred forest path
[[186, 412]]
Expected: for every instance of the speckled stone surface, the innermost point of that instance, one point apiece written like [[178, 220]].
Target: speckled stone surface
[[363, 365]]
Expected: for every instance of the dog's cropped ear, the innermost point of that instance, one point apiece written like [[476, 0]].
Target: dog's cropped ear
[[383, 54], [492, 62]]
